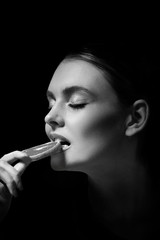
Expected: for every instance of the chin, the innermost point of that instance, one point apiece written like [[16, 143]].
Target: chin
[[57, 162]]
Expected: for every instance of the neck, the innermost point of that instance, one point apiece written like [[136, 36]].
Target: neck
[[119, 196]]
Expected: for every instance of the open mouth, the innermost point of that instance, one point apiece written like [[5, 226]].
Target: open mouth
[[57, 138], [65, 144]]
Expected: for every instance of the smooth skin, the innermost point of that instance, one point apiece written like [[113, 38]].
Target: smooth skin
[[91, 118]]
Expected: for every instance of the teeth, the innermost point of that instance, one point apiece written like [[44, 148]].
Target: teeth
[[65, 147]]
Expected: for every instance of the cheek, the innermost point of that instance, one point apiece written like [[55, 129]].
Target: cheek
[[94, 135], [98, 123], [95, 127]]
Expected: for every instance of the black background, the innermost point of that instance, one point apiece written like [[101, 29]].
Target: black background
[[27, 66]]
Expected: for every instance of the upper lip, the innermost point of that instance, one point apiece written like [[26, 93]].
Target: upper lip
[[54, 136]]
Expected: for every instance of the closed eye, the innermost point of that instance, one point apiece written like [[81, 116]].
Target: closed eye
[[77, 106]]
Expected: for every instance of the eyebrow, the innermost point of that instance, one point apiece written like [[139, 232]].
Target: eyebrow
[[68, 91]]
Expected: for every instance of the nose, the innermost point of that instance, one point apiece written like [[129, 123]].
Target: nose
[[55, 118]]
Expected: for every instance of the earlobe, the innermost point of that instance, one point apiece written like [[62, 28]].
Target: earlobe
[[137, 118]]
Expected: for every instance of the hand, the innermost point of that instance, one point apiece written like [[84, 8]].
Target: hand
[[12, 166]]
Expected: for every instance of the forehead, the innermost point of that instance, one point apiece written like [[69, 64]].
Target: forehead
[[78, 72]]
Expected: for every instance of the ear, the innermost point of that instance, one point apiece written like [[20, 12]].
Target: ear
[[137, 118]]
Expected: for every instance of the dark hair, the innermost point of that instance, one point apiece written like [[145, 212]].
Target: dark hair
[[130, 68]]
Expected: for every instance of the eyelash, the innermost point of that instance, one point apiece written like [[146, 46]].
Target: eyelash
[[77, 106], [74, 106]]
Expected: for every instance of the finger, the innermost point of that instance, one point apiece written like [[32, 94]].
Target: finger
[[20, 167], [14, 174], [13, 156], [8, 181]]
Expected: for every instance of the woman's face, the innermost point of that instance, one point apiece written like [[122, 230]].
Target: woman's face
[[85, 110]]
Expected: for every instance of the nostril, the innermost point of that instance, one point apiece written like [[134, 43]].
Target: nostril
[[53, 124]]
